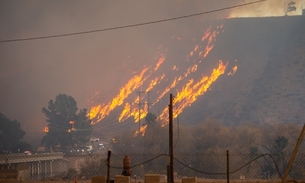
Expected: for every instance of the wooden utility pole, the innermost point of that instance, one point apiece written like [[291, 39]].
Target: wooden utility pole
[[170, 169], [148, 102], [293, 154], [228, 167], [139, 92], [108, 167]]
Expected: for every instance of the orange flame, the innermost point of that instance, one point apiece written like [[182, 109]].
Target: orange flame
[[195, 49], [134, 112], [46, 129], [154, 82], [206, 34], [175, 68], [185, 97], [211, 38], [126, 112], [101, 112], [142, 130], [190, 69], [233, 71], [160, 62], [138, 112], [189, 93]]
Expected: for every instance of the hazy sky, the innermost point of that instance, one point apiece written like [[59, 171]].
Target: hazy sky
[[35, 71]]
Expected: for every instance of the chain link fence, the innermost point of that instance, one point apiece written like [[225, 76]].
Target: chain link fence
[[206, 167]]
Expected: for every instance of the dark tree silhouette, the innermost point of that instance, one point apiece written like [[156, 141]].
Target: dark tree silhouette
[[66, 127], [150, 118], [10, 136]]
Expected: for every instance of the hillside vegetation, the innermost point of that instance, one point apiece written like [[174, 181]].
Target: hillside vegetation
[[269, 83]]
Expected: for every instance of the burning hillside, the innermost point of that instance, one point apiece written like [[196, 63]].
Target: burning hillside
[[239, 60], [189, 78]]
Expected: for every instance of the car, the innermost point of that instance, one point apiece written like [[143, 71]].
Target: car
[[27, 152], [94, 139]]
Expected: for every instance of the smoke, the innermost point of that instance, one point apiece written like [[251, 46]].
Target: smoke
[[89, 67], [270, 8]]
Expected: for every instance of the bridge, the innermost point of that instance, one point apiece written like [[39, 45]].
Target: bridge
[[31, 165]]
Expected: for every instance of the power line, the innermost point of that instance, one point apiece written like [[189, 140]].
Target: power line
[[129, 26]]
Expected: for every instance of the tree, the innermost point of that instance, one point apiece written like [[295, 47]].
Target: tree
[[10, 136], [66, 127], [278, 152], [280, 144], [253, 170], [150, 118]]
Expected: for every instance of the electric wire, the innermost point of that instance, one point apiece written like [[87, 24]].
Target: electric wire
[[204, 172], [231, 172], [142, 163], [109, 124], [130, 25], [115, 125], [267, 154]]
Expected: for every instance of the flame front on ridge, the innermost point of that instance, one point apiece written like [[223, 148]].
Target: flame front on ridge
[[163, 83]]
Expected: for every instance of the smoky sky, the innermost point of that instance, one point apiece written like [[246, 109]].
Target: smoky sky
[[35, 71]]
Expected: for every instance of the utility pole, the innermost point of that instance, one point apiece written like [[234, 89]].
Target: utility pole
[[295, 151], [170, 167], [228, 167], [108, 167], [158, 107], [148, 102], [139, 92]]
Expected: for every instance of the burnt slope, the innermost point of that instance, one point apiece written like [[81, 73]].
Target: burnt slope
[[269, 84]]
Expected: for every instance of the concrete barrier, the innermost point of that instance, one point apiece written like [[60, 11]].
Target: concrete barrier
[[122, 179], [189, 179], [9, 174], [98, 179], [152, 178]]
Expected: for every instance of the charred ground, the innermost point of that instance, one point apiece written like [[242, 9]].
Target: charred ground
[[269, 84]]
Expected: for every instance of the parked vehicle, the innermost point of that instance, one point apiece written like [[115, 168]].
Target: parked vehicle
[[89, 148], [94, 139], [27, 152]]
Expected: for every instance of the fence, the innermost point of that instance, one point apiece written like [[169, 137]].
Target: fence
[[205, 167]]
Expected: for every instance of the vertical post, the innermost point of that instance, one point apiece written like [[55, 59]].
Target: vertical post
[[148, 102], [51, 168], [171, 148], [139, 92], [38, 169], [139, 112], [158, 108], [296, 148], [228, 167], [108, 166]]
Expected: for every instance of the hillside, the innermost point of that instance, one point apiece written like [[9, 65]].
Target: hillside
[[269, 84]]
